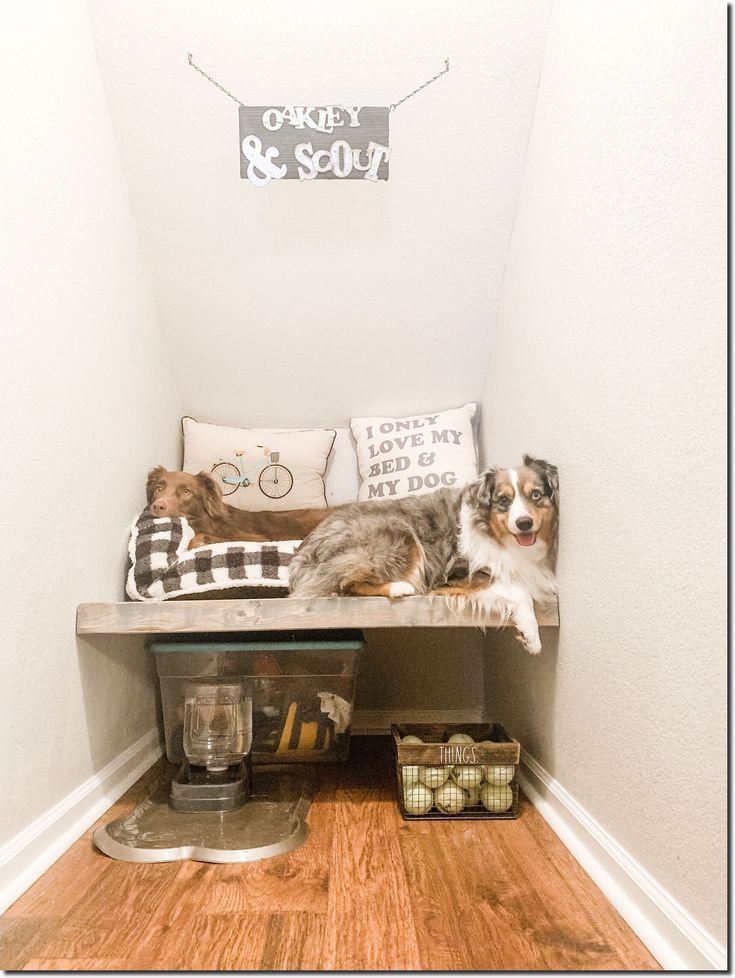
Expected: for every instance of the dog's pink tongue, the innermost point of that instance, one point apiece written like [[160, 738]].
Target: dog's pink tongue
[[526, 539]]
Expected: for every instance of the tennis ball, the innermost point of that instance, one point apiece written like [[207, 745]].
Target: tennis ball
[[450, 798], [411, 773], [468, 775], [411, 739], [418, 799], [473, 796], [496, 797], [433, 777], [460, 738], [499, 773]]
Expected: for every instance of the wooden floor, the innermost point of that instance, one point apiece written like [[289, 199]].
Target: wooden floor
[[368, 891]]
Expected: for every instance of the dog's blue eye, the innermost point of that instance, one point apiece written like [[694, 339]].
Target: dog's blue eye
[[536, 495]]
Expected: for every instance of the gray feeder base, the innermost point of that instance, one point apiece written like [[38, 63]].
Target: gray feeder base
[[270, 823]]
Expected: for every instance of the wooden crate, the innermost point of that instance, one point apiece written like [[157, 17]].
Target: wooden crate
[[502, 750]]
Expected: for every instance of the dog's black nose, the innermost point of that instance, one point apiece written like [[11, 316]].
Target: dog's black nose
[[524, 523]]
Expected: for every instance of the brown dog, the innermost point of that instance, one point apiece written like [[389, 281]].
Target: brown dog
[[198, 498]]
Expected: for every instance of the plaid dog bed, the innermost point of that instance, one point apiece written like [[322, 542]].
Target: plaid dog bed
[[161, 567]]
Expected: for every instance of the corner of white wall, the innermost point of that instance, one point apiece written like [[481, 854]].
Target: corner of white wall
[[609, 358], [88, 405]]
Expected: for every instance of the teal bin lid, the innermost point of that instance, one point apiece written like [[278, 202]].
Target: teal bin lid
[[274, 646], [311, 640]]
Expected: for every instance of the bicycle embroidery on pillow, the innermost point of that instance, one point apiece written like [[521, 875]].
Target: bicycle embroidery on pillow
[[273, 478]]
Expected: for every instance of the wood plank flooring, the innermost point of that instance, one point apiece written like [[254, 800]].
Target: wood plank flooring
[[367, 891]]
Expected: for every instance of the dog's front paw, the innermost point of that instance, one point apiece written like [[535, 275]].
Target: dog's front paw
[[533, 646], [400, 589], [531, 643]]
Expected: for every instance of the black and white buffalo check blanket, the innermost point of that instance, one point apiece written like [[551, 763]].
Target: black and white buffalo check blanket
[[161, 567]]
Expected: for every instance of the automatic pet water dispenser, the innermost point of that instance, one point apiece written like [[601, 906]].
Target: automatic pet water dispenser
[[245, 718], [212, 810], [218, 734]]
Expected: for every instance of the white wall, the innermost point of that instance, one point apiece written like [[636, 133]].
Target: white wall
[[303, 304], [88, 404], [609, 358]]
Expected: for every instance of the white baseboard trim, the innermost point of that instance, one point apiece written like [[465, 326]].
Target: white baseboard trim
[[379, 721], [670, 933], [30, 853]]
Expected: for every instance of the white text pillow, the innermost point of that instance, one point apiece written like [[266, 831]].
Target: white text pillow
[[261, 468], [409, 456]]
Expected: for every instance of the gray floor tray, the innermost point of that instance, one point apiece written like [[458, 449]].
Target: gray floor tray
[[271, 823]]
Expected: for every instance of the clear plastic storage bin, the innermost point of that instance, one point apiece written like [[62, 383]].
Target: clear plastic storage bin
[[302, 687]]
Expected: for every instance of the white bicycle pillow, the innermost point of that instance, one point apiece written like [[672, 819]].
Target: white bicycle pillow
[[261, 468]]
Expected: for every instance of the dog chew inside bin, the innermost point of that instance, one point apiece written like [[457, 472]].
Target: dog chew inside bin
[[448, 771]]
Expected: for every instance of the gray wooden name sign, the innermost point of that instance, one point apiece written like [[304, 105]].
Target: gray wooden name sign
[[296, 142]]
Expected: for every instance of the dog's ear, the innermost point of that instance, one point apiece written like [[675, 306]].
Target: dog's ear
[[153, 476], [480, 493], [548, 472], [212, 494]]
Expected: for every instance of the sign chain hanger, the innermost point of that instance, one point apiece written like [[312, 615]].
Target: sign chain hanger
[[445, 69], [310, 141], [393, 105], [212, 80]]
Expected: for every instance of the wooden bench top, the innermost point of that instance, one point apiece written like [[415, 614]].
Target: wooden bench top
[[283, 614]]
